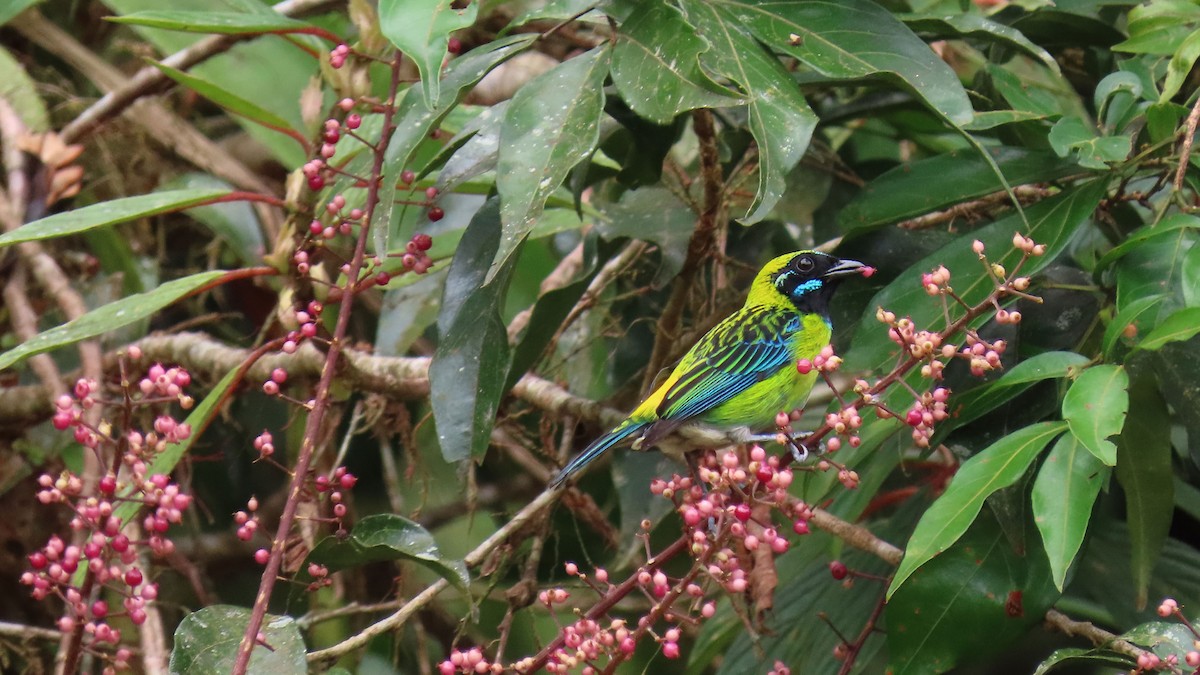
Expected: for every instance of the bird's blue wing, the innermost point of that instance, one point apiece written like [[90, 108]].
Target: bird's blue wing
[[748, 347]]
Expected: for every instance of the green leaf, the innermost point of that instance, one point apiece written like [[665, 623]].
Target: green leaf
[[198, 419], [979, 582], [919, 187], [232, 102], [1095, 408], [1172, 223], [1159, 27], [107, 213], [421, 29], [18, 90], [1063, 494], [976, 26], [1078, 656], [1129, 314], [1071, 136], [656, 65], [985, 398], [779, 118], [853, 40], [234, 222], [552, 124], [997, 118], [224, 23], [1180, 326], [387, 536], [1179, 66], [207, 640], [109, 317], [1162, 119], [999, 465], [471, 364], [9, 10], [1053, 222], [1144, 470]]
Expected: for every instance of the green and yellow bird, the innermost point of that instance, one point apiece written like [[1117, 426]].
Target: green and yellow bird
[[742, 373]]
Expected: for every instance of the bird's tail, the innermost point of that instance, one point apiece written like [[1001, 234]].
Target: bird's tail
[[597, 448]]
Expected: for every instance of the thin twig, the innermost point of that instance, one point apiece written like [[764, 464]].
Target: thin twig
[[1185, 150]]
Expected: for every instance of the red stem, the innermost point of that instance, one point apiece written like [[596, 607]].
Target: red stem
[[316, 417]]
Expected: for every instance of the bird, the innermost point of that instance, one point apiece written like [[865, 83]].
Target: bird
[[742, 372]]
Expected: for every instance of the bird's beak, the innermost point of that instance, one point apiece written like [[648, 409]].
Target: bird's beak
[[847, 268]]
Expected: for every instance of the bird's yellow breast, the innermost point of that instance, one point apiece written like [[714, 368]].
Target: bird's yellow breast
[[783, 391]]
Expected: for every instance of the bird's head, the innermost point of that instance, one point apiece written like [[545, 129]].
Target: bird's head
[[804, 279]]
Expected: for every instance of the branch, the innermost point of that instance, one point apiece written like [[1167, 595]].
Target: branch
[[148, 79], [699, 246], [474, 558]]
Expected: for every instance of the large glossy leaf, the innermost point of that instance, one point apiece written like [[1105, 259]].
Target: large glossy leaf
[[225, 23], [1159, 27], [656, 65], [979, 582], [1144, 470], [997, 466], [552, 124], [1063, 494], [856, 39], [107, 213], [780, 119], [920, 187], [985, 398], [1095, 408], [1052, 222], [207, 640], [471, 364], [421, 29], [387, 536], [108, 317]]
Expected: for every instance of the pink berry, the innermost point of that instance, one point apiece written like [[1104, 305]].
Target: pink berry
[[838, 570], [436, 213]]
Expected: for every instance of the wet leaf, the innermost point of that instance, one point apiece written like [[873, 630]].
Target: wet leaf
[[656, 65], [471, 364], [387, 536], [852, 40], [552, 124], [780, 119], [207, 640], [982, 28]]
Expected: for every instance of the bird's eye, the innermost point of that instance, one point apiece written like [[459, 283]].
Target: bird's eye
[[805, 264]]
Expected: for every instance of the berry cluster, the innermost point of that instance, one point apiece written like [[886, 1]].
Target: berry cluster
[[105, 562]]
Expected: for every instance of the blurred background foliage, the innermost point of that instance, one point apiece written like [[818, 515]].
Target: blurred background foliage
[[564, 141]]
